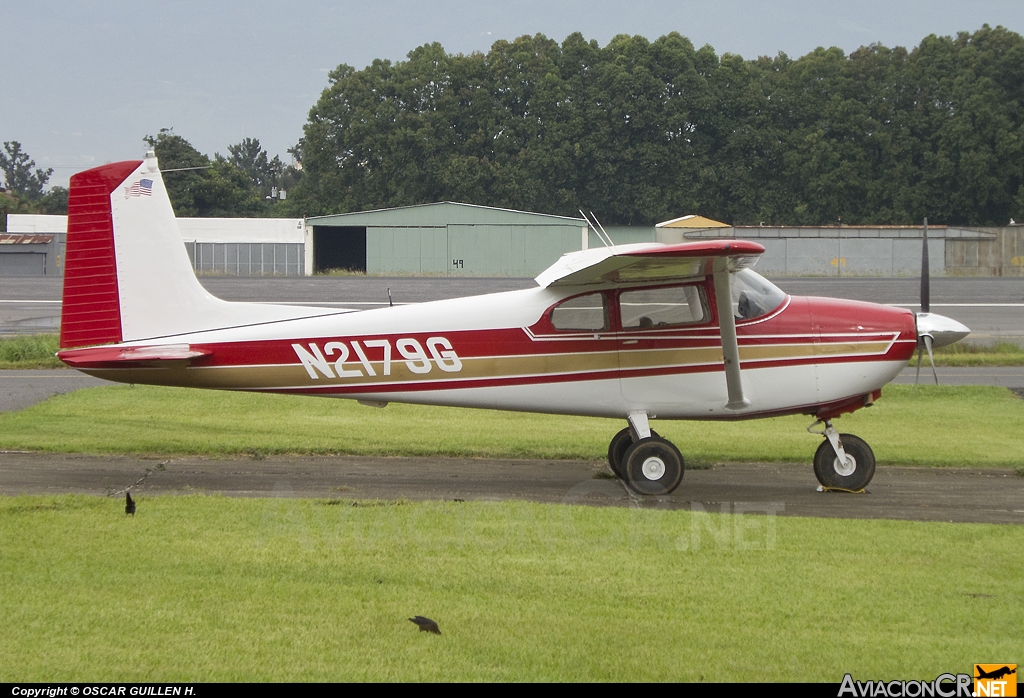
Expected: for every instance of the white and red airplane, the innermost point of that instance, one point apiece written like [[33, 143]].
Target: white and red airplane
[[636, 332]]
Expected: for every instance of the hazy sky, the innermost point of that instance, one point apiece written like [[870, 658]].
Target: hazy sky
[[84, 81]]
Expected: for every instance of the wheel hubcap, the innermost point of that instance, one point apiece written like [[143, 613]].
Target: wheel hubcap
[[845, 469], [653, 468]]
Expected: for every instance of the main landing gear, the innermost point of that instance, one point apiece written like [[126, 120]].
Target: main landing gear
[[647, 463], [842, 461]]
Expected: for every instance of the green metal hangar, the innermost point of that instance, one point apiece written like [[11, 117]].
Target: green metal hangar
[[445, 239]]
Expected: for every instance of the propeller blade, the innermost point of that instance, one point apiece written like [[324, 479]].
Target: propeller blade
[[925, 274], [931, 357], [926, 343]]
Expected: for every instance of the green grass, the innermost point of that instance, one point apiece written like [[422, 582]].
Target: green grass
[[966, 354], [925, 425], [214, 589], [30, 351]]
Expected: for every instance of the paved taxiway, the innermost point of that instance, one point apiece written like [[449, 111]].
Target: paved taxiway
[[919, 494]]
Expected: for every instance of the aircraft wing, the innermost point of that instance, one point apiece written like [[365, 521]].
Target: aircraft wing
[[650, 263]]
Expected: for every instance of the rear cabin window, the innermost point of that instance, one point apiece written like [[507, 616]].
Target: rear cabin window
[[581, 314], [661, 307]]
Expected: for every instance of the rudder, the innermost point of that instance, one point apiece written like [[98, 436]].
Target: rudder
[[91, 310]]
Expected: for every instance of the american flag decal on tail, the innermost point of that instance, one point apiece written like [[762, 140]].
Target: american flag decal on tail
[[144, 187]]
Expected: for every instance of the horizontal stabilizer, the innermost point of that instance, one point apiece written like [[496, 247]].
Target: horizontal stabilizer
[[119, 357]]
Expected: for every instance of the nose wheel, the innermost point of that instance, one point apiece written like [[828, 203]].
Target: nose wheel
[[843, 461]]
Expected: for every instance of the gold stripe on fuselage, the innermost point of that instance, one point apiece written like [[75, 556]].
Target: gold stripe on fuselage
[[578, 364]]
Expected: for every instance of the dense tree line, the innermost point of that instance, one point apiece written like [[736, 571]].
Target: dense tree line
[[641, 131], [247, 183], [22, 190], [240, 185]]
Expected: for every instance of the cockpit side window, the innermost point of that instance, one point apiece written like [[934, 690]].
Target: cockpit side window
[[753, 295], [587, 313], [662, 307]]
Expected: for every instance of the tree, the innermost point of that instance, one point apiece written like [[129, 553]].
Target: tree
[[17, 168], [9, 203], [642, 131], [250, 157], [200, 187], [54, 202]]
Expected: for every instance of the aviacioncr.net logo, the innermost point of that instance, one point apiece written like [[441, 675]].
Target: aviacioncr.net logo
[[944, 686]]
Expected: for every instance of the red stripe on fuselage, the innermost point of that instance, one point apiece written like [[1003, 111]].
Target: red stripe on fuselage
[[835, 322]]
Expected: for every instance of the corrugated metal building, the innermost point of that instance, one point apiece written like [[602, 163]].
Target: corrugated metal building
[[227, 246], [887, 250], [445, 238], [246, 246], [28, 255], [450, 238], [33, 245]]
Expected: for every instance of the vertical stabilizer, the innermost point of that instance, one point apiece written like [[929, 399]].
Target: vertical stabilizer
[[127, 276], [159, 292]]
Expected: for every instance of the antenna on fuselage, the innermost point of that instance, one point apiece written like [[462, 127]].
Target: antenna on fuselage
[[391, 303], [602, 234], [606, 235]]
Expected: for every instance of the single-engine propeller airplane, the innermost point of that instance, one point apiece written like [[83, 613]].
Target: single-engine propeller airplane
[[636, 332]]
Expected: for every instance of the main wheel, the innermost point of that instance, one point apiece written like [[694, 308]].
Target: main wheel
[[617, 449], [652, 466], [854, 474]]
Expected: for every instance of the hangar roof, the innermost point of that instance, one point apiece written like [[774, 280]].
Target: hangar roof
[[441, 214], [23, 239], [692, 221]]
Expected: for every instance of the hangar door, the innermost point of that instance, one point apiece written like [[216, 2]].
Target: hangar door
[[339, 247], [508, 250], [407, 250]]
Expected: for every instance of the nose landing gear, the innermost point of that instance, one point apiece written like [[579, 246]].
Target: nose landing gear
[[842, 461]]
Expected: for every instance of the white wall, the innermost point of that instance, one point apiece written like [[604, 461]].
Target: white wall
[[32, 223], [242, 229], [192, 229]]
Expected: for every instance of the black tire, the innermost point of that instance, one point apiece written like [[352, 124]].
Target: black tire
[[859, 455], [652, 466], [617, 449]]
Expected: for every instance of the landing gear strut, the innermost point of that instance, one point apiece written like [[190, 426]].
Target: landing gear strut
[[843, 461], [647, 463]]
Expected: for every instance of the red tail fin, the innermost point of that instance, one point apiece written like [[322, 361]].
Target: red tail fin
[[91, 311]]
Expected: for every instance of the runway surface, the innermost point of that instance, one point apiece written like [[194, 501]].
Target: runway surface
[[918, 494]]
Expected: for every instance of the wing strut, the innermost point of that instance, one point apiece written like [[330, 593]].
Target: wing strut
[[727, 326]]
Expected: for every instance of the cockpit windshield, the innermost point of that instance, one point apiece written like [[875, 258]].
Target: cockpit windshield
[[753, 295]]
